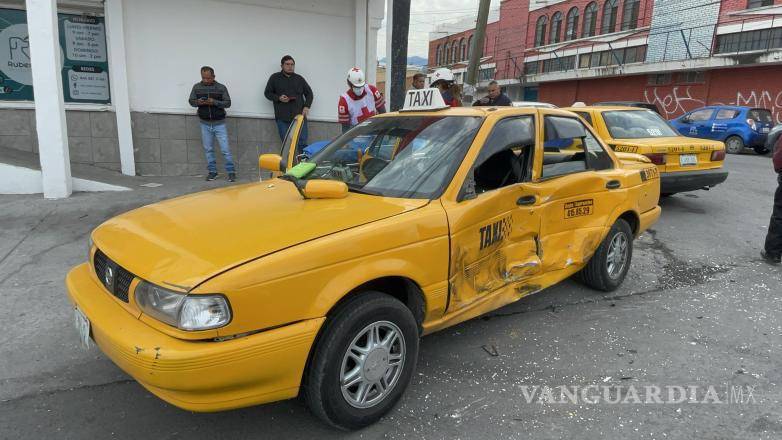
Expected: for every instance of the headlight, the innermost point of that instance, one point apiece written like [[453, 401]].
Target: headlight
[[187, 312]]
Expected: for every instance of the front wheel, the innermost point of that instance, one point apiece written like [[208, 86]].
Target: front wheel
[[363, 361], [608, 267], [734, 145]]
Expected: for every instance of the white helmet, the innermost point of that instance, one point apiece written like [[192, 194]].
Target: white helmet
[[356, 77], [442, 74]]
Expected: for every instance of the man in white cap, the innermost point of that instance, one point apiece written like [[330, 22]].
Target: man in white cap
[[360, 102]]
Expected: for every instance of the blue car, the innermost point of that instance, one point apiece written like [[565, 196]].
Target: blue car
[[739, 127]]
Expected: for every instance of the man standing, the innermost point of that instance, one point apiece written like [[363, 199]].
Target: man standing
[[419, 81], [773, 248], [212, 98], [292, 96], [495, 98], [360, 102]]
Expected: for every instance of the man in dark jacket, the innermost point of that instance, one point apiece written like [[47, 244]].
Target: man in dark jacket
[[212, 98], [494, 98], [773, 248], [291, 96]]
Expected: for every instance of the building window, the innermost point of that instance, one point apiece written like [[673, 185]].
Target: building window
[[486, 74], [610, 11], [463, 44], [659, 79], [447, 54], [540, 30], [752, 4], [555, 35], [630, 14], [571, 30], [590, 20], [531, 68], [438, 55], [469, 47], [692, 77], [559, 64], [762, 39], [455, 50], [627, 55]]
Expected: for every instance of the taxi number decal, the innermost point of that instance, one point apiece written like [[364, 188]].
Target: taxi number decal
[[625, 149], [579, 208], [495, 232], [650, 173]]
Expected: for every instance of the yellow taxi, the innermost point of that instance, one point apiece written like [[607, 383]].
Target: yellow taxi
[[685, 163], [321, 281]]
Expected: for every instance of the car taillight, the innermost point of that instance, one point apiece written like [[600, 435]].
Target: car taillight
[[751, 123], [717, 155], [656, 158]]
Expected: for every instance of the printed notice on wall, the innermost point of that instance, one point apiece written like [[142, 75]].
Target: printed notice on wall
[[87, 83], [85, 39]]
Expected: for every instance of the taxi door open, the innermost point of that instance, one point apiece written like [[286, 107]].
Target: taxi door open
[[580, 189], [493, 223], [289, 153]]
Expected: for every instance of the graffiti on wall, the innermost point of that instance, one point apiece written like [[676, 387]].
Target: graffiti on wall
[[674, 101]]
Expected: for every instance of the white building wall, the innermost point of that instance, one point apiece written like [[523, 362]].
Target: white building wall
[[168, 41]]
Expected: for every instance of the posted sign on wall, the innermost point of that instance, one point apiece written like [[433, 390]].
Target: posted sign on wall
[[85, 67]]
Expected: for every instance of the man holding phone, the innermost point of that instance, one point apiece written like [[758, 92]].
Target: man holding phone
[[212, 98], [291, 96]]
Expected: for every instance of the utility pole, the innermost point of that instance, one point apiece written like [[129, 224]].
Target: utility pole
[[476, 51], [400, 27]]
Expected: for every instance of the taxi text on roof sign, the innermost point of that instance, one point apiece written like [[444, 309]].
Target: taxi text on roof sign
[[424, 99]]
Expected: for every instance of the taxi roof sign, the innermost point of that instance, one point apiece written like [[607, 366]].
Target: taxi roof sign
[[423, 99]]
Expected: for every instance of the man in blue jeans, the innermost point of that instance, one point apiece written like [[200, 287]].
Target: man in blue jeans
[[212, 98]]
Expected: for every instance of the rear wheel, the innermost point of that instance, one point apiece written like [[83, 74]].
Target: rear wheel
[[609, 265], [760, 150], [363, 361], [734, 145]]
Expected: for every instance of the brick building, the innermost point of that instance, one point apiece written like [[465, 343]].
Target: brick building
[[679, 54]]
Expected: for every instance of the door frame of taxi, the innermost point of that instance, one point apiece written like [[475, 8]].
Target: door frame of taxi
[[288, 151], [494, 235]]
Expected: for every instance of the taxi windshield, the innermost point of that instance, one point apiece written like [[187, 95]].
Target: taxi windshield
[[636, 124], [398, 156]]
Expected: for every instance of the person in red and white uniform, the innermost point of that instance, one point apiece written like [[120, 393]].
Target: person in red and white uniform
[[360, 102]]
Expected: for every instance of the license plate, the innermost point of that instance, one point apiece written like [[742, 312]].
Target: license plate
[[688, 160], [765, 130], [82, 327]]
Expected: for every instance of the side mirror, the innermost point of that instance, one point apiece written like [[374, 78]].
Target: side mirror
[[325, 189], [271, 162], [686, 119]]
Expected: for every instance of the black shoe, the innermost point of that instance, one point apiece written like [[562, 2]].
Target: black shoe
[[211, 176], [771, 259], [232, 177]]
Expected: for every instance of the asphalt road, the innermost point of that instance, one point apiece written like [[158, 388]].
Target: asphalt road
[[698, 309]]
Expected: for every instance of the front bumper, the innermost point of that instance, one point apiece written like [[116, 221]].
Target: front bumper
[[195, 375], [683, 181]]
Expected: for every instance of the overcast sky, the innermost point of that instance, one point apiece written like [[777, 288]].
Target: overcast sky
[[425, 15]]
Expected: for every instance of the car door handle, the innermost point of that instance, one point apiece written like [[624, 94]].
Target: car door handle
[[613, 184], [526, 200]]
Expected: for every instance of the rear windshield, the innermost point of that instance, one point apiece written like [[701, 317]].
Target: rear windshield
[[636, 124], [760, 114]]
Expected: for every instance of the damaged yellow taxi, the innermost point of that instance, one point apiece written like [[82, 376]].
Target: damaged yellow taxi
[[321, 281]]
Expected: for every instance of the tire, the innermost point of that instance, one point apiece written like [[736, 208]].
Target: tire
[[599, 273], [734, 145], [762, 150], [666, 195], [350, 326]]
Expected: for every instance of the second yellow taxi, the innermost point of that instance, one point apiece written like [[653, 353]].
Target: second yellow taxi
[[685, 163], [320, 282]]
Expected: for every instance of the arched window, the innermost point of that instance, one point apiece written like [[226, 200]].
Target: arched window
[[455, 51], [610, 11], [540, 30], [469, 47], [463, 49], [447, 54], [571, 29], [630, 14], [590, 20], [438, 55], [555, 33]]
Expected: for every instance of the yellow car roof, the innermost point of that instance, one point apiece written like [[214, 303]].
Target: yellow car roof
[[477, 111], [602, 108]]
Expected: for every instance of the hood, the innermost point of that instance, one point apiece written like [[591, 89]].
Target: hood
[[661, 144], [187, 240]]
